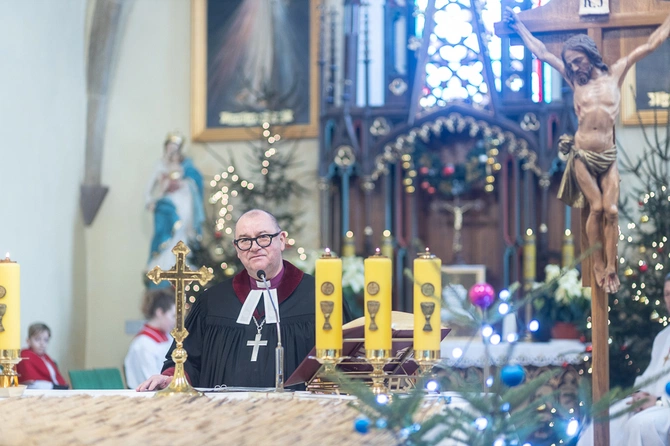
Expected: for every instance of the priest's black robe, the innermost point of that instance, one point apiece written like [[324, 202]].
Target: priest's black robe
[[217, 345]]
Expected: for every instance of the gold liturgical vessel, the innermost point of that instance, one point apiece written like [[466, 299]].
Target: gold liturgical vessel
[[179, 276]]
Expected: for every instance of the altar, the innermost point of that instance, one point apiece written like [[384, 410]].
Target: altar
[[68, 417], [469, 357]]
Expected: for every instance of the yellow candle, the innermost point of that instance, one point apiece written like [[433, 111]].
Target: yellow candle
[[568, 249], [529, 251], [10, 305], [387, 244], [378, 285], [349, 245], [328, 276], [427, 299]]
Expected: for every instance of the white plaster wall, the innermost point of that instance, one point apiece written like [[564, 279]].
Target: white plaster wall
[[42, 111]]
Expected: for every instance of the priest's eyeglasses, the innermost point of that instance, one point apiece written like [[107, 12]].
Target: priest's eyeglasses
[[263, 240]]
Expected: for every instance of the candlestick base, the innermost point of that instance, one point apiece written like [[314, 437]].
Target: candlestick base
[[8, 376], [426, 360], [378, 359], [179, 384], [328, 358]]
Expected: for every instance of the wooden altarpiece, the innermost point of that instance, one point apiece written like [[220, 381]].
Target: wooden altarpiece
[[628, 25]]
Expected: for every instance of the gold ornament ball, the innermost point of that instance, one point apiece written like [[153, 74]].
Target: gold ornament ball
[[644, 219], [643, 249], [628, 272]]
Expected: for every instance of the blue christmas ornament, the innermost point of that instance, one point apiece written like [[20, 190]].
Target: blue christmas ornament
[[505, 407], [667, 388], [362, 425], [512, 375]]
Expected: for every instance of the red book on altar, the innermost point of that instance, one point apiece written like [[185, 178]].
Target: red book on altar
[[402, 333]]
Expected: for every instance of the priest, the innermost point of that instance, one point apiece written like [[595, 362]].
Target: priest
[[232, 326]]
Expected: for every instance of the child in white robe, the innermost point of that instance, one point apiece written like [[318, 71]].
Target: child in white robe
[[147, 350]]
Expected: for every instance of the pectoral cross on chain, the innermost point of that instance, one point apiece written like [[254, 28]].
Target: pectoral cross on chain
[[256, 343]]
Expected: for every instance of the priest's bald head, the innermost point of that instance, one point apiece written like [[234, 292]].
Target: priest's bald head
[[259, 242]]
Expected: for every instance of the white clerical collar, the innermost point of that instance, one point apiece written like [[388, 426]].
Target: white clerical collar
[[251, 302]]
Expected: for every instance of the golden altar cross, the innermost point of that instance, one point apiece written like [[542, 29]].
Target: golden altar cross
[[625, 28], [179, 275]]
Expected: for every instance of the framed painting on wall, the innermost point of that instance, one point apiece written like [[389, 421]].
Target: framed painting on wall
[[465, 275], [646, 89], [456, 281], [253, 63]]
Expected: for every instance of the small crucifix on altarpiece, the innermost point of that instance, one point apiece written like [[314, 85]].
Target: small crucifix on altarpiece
[[458, 209]]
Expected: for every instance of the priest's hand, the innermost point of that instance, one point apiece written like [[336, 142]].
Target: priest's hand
[[155, 382]]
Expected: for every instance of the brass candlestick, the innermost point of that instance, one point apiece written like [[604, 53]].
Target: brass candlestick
[[426, 360], [329, 358], [179, 276], [9, 379], [378, 359]]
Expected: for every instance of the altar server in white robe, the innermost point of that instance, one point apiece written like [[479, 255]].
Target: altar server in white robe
[[147, 350], [649, 424]]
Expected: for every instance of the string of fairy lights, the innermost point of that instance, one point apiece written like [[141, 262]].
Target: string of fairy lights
[[403, 150], [638, 290]]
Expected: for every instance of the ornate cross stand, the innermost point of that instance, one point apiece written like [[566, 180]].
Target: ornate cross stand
[[179, 276]]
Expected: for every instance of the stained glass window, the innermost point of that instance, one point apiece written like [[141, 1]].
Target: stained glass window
[[455, 65]]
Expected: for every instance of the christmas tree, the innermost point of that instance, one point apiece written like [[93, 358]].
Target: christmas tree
[[637, 311], [505, 407], [270, 186]]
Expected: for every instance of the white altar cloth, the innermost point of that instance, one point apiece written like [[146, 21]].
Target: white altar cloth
[[471, 352]]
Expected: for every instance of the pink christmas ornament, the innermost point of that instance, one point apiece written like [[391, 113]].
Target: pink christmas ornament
[[481, 295]]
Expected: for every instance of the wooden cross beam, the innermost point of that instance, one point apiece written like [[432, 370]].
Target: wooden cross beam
[[179, 275], [627, 26]]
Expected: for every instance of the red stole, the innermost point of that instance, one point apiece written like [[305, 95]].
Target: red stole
[[289, 282]]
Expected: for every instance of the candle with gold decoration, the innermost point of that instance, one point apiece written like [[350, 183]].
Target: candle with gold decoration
[[349, 245], [529, 254], [328, 276], [427, 299], [378, 285], [10, 305]]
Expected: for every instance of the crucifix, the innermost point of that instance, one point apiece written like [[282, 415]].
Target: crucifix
[[179, 275], [597, 100], [458, 209], [256, 344]]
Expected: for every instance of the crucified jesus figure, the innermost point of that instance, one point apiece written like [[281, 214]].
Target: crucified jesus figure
[[591, 171], [458, 210]]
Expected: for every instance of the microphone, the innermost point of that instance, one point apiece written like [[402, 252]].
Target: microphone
[[279, 351]]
